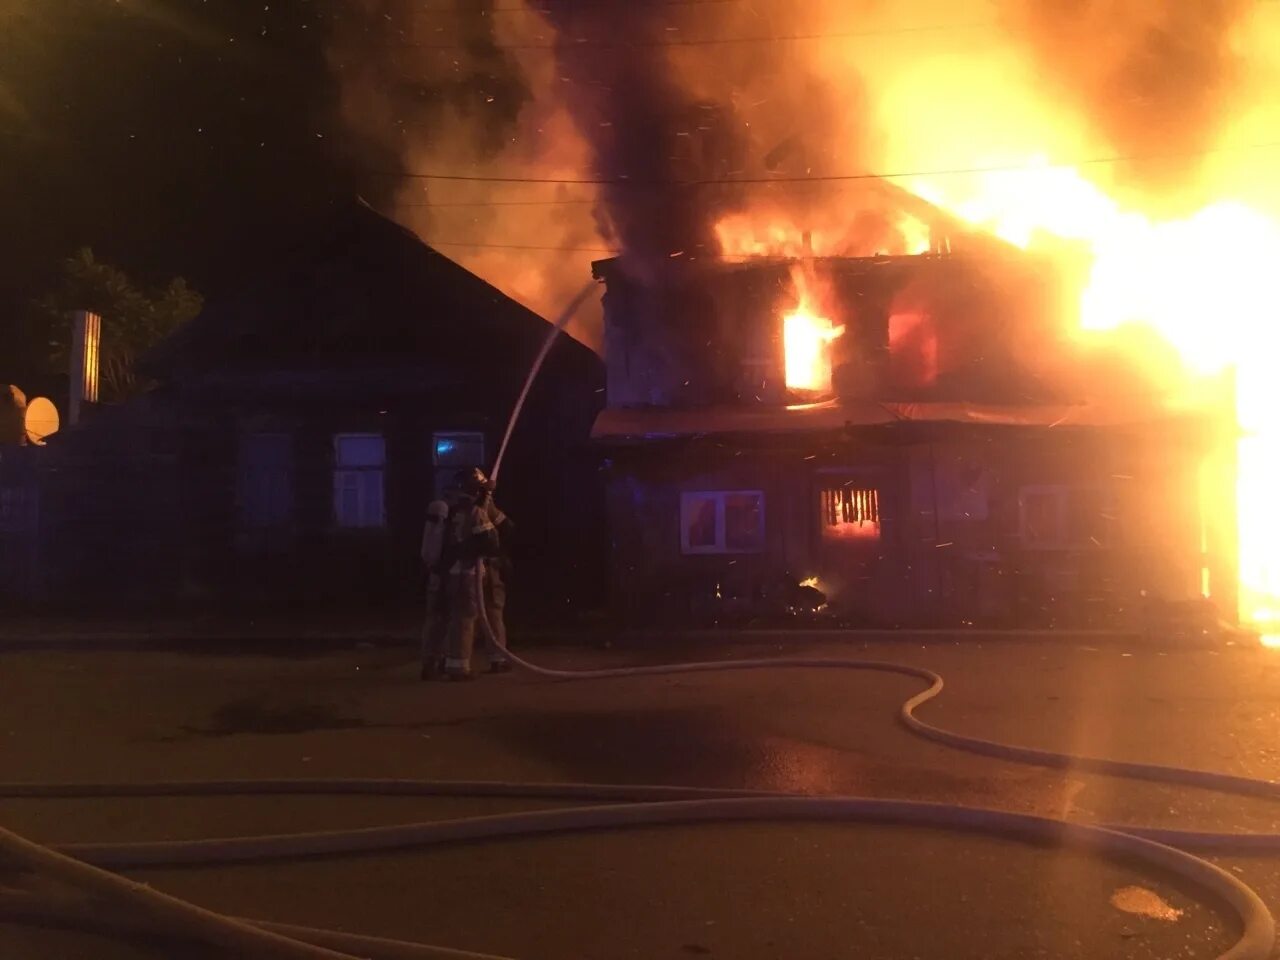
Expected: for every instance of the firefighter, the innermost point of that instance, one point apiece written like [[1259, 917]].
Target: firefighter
[[471, 544], [497, 575], [435, 625]]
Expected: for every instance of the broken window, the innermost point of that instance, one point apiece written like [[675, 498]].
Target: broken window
[[358, 480], [722, 522], [850, 513]]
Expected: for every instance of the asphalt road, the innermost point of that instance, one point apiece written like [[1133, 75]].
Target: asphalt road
[[739, 891]]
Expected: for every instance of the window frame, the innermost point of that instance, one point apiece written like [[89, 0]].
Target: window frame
[[247, 469], [361, 473], [1065, 540], [720, 547], [827, 532], [469, 436]]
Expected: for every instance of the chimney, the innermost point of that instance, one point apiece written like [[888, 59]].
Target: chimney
[[86, 338]]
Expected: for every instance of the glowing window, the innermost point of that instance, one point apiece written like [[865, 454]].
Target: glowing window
[[850, 513], [913, 350], [722, 522]]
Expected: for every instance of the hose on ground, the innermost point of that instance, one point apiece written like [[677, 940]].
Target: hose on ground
[[627, 806]]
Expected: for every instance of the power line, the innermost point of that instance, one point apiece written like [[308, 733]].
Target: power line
[[541, 8], [518, 246], [822, 178], [496, 203], [584, 42]]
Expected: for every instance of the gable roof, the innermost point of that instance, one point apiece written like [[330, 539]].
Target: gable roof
[[362, 290]]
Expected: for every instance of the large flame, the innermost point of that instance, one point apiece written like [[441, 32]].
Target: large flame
[[807, 346], [1204, 283], [806, 339], [1203, 280]]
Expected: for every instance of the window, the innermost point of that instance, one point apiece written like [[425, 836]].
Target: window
[[358, 480], [1063, 518], [913, 350], [722, 522], [264, 498], [459, 450], [850, 513]]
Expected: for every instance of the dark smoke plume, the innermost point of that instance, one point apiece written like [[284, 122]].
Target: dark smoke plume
[[645, 128]]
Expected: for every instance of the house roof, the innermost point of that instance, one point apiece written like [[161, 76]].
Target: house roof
[[963, 238], [363, 290], [638, 425]]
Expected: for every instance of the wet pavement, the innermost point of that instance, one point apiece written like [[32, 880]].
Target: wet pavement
[[741, 891]]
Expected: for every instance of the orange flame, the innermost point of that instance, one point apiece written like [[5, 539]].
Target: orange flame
[[806, 341], [1204, 284], [1201, 280]]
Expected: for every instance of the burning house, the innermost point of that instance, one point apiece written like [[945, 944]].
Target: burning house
[[727, 151], [885, 436]]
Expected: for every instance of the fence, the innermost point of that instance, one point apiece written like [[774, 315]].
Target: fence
[[19, 523]]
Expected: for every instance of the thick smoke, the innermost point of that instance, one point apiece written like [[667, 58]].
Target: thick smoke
[[1157, 78], [652, 140], [466, 87], [614, 90], [679, 119]]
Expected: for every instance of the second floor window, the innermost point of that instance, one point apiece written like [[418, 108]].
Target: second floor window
[[359, 475]]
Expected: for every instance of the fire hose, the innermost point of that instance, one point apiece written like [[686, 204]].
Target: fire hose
[[117, 904]]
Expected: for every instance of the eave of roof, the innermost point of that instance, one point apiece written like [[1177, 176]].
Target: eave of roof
[[631, 425]]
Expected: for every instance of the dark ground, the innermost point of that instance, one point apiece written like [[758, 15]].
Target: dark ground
[[734, 891]]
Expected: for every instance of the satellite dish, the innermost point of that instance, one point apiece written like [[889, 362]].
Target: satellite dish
[[41, 420]]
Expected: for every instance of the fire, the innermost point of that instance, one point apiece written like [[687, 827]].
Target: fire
[[1204, 284], [1192, 264], [826, 233], [806, 341]]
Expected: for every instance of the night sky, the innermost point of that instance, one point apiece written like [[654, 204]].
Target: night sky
[[175, 137]]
